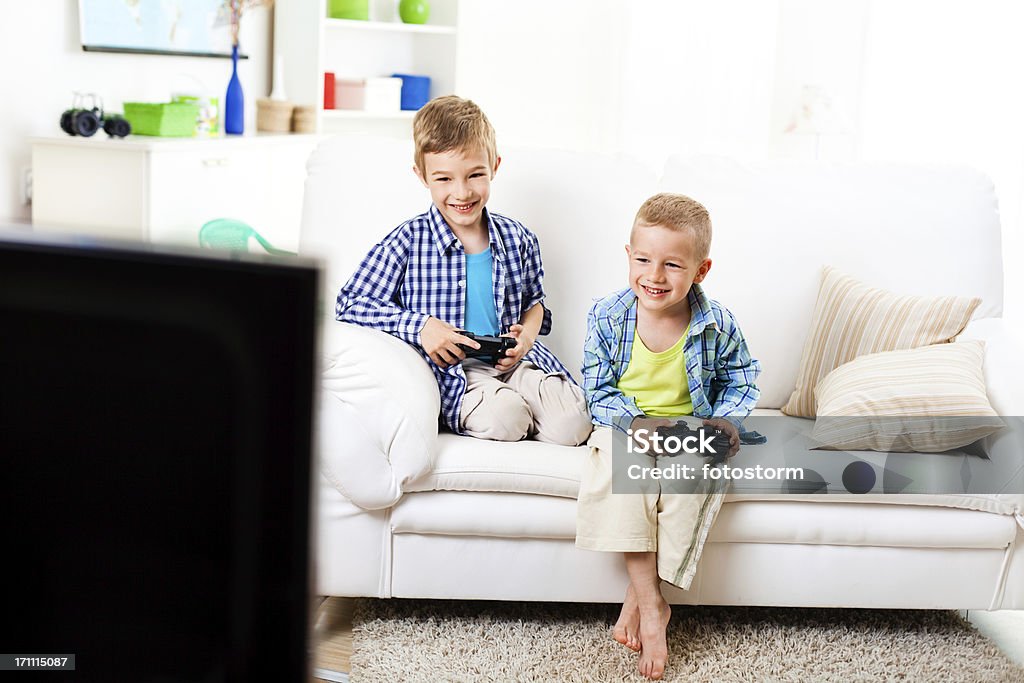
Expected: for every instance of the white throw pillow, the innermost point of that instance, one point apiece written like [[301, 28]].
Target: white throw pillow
[[928, 400]]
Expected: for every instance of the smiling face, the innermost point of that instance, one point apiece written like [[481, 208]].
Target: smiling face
[[663, 263], [460, 185]]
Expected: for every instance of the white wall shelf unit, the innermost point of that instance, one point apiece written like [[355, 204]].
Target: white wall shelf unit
[[312, 44]]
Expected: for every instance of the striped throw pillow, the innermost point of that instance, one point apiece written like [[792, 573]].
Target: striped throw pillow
[[927, 400], [851, 320]]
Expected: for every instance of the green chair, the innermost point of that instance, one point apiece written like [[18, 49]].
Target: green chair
[[227, 233]]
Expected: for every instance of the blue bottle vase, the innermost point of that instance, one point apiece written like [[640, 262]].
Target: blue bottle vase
[[234, 101]]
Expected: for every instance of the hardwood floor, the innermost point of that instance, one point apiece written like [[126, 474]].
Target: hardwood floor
[[333, 632]]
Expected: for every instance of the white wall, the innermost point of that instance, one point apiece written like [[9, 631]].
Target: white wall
[[821, 43], [43, 63], [698, 78], [546, 73], [645, 78]]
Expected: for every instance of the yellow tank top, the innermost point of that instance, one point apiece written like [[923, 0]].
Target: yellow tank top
[[657, 381]]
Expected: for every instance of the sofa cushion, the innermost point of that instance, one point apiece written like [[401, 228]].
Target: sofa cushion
[[467, 464], [852, 319], [836, 523], [930, 399], [507, 515]]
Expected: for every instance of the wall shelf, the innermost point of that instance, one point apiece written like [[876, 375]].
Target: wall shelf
[[353, 114], [312, 44], [387, 26]]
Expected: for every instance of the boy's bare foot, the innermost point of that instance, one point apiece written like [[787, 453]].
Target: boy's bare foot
[[654, 653], [627, 628]]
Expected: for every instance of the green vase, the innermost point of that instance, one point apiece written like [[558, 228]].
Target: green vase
[[414, 11], [350, 9]]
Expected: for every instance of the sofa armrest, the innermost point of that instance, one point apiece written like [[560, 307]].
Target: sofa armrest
[[1004, 363], [378, 414]]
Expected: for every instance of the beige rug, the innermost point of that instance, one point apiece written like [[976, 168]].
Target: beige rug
[[430, 640]]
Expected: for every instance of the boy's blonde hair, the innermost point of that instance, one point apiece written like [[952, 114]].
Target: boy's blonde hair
[[678, 212], [451, 123]]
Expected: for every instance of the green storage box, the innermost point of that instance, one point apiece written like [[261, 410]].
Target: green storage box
[[166, 119]]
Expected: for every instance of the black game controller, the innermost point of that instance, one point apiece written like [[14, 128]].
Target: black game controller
[[719, 442], [492, 349]]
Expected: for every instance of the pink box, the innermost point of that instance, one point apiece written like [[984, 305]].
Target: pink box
[[368, 94], [349, 93]]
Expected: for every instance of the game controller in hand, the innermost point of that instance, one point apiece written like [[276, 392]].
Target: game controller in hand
[[492, 349], [719, 442]]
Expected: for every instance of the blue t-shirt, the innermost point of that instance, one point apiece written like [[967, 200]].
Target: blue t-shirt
[[481, 316]]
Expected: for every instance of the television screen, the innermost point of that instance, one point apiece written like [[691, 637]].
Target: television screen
[[155, 445]]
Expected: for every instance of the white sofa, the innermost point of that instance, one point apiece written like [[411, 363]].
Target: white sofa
[[406, 512]]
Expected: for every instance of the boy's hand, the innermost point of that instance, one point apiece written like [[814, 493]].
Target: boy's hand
[[651, 424], [730, 429], [523, 345], [440, 340]]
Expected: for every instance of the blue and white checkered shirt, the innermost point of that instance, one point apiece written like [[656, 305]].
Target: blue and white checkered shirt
[[719, 370], [419, 270]]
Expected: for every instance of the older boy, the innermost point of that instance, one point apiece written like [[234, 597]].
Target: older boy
[[656, 350], [459, 267]]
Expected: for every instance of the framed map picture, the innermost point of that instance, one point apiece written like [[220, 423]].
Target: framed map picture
[[167, 27]]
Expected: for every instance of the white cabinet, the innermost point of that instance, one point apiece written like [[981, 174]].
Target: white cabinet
[[164, 189], [312, 44]]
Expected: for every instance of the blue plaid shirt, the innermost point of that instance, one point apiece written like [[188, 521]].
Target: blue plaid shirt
[[419, 270], [719, 370]]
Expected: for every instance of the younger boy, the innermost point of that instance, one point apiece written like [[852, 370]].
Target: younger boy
[[460, 267], [659, 349]]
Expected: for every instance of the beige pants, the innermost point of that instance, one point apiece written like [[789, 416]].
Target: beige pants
[[674, 525], [526, 402]]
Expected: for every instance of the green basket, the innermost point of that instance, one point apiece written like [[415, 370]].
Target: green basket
[[166, 119], [349, 9]]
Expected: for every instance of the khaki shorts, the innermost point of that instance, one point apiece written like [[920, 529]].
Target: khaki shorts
[[526, 402], [674, 525]]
